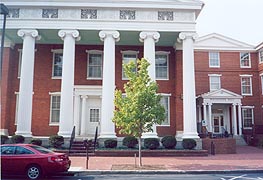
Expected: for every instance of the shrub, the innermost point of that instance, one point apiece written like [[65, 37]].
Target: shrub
[[169, 142], [4, 138], [17, 139], [189, 143], [151, 143], [56, 141], [110, 143], [36, 142], [130, 141]]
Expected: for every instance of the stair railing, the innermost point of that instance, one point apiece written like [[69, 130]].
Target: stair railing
[[95, 138], [72, 137]]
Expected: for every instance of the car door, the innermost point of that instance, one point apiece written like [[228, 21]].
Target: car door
[[7, 154]]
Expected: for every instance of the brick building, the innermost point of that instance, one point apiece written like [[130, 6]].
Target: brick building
[[63, 60]]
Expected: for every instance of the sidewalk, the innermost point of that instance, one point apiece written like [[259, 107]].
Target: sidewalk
[[247, 158]]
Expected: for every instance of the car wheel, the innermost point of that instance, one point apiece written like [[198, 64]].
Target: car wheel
[[33, 172]]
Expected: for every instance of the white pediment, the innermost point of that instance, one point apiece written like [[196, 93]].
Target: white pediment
[[216, 41], [221, 94]]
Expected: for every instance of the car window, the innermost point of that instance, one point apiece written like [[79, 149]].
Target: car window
[[21, 150], [7, 150], [41, 149]]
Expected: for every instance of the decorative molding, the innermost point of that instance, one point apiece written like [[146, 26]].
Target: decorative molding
[[13, 13], [94, 51], [165, 16], [28, 32], [187, 35], [129, 52], [114, 34], [147, 34], [127, 14], [89, 14], [73, 33], [49, 13]]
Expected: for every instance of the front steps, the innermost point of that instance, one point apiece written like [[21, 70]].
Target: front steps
[[78, 149]]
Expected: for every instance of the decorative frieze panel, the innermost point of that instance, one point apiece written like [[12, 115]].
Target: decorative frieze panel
[[13, 13], [165, 16], [184, 16], [89, 14], [127, 14], [49, 13]]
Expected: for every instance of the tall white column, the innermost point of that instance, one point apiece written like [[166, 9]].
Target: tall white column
[[149, 39], [234, 119], [239, 119], [76, 114], [199, 114], [83, 116], [67, 84], [204, 112], [24, 120], [108, 83], [210, 117], [189, 99]]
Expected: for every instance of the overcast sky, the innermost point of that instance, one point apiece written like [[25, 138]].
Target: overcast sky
[[238, 19]]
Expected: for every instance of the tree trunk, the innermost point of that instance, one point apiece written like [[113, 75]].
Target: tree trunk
[[140, 151]]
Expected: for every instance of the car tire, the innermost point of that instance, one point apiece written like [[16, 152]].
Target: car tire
[[33, 172]]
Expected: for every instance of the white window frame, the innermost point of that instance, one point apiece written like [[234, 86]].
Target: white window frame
[[128, 52], [90, 114], [89, 52], [251, 89], [261, 77], [168, 124], [19, 63], [56, 51], [52, 94], [210, 79], [252, 118], [260, 56], [166, 53], [249, 60], [212, 58]]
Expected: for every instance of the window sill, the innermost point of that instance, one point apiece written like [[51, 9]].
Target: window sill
[[54, 124], [56, 77], [88, 78]]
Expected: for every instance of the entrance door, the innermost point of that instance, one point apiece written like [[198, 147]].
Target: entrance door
[[218, 123], [93, 116]]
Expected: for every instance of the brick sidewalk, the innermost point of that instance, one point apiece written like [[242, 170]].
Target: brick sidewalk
[[247, 157]]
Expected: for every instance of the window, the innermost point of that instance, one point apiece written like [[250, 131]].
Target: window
[[214, 60], [261, 56], [21, 150], [54, 109], [94, 64], [128, 56], [17, 103], [19, 63], [94, 115], [245, 60], [161, 65], [262, 83], [165, 101], [214, 81], [248, 117], [246, 85], [57, 64]]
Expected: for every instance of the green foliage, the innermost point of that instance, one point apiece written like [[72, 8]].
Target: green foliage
[[4, 138], [189, 143], [140, 108], [130, 141], [110, 143], [169, 142], [36, 142], [56, 141], [151, 143], [17, 139]]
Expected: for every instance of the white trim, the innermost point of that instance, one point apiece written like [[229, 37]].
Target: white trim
[[57, 50], [54, 93], [129, 52], [209, 58], [260, 56], [94, 51], [249, 59], [162, 52], [252, 109], [246, 75], [261, 80], [167, 59], [214, 75], [251, 89], [248, 107]]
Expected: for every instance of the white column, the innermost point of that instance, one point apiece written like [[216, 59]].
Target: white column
[[67, 84], [204, 112], [239, 119], [108, 83], [76, 114], [189, 99], [149, 39], [24, 120], [234, 119], [199, 114], [210, 117], [83, 123]]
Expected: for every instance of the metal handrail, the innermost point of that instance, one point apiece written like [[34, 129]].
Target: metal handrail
[[72, 137]]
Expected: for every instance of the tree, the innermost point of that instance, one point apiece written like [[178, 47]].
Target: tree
[[140, 109]]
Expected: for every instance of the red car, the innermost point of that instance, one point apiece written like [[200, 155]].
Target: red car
[[31, 160]]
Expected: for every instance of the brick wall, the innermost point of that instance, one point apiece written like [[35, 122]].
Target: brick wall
[[222, 145]]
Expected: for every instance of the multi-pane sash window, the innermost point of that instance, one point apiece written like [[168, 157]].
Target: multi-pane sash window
[[165, 102], [94, 115], [55, 109], [57, 64], [95, 64], [214, 60], [247, 115], [128, 56], [161, 65], [215, 83], [246, 85], [261, 56], [19, 62], [245, 60]]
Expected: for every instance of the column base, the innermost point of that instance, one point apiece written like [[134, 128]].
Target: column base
[[24, 133], [4, 132], [190, 135], [65, 134], [149, 135]]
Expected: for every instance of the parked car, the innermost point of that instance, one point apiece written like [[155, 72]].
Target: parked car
[[32, 161]]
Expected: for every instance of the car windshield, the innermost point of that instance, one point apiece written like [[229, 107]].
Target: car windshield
[[41, 149]]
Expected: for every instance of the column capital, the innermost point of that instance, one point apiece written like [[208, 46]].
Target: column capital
[[69, 32], [84, 96], [114, 34], [187, 35], [28, 32], [148, 34]]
